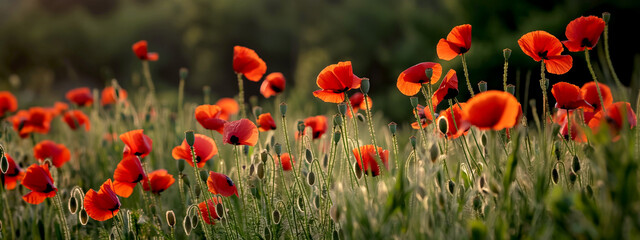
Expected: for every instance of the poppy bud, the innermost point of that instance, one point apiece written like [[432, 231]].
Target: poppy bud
[[257, 111], [260, 170], [554, 175], [264, 156], [360, 117], [194, 220], [186, 181], [184, 73], [336, 136], [197, 189], [300, 126], [412, 140], [186, 224], [252, 168], [278, 149], [428, 72], [557, 151], [311, 178], [511, 89], [358, 170], [283, 109], [267, 233], [575, 165], [204, 175], [443, 125], [393, 127], [171, 218], [73, 204], [589, 191], [434, 153], [309, 155], [482, 85], [477, 203], [337, 120], [365, 85], [484, 139], [451, 186], [414, 102], [190, 137], [4, 164], [180, 165], [573, 177], [300, 204], [245, 150], [506, 53], [83, 217], [342, 108], [275, 216], [220, 210], [605, 17]]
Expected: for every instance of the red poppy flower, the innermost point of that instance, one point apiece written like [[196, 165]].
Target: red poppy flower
[[357, 103], [229, 107], [458, 42], [590, 94], [266, 122], [247, 62], [425, 117], [583, 32], [334, 80], [76, 118], [104, 204], [410, 80], [318, 125], [13, 175], [568, 96], [492, 110], [210, 215], [614, 116], [57, 109], [80, 96], [57, 153], [159, 180], [272, 85], [460, 127], [219, 183], [128, 173], [8, 103], [136, 143], [541, 45], [36, 119], [205, 148], [576, 131], [109, 96], [369, 158], [448, 89], [140, 49], [38, 179], [241, 132], [287, 161], [209, 117]]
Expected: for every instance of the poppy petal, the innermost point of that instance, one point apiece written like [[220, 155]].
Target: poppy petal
[[560, 64]]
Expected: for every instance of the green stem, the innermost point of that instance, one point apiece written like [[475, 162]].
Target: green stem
[[241, 96], [595, 79], [504, 74], [7, 209], [466, 74], [382, 167], [63, 219], [453, 116], [543, 86], [203, 189], [609, 63], [147, 76]]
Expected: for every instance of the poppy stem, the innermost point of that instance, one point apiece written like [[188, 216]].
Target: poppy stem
[[6, 206], [504, 74], [355, 125], [431, 108], [381, 165], [466, 74], [345, 144], [394, 140], [475, 139], [238, 166], [147, 76], [543, 86], [609, 63], [595, 80], [203, 189], [63, 220], [241, 96], [286, 190]]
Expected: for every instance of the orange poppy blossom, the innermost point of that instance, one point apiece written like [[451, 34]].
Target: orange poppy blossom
[[448, 89], [568, 96], [410, 80], [614, 118], [36, 119], [210, 215], [590, 94], [205, 148], [80, 96], [13, 175], [583, 33], [75, 119], [109, 96], [273, 84], [8, 103], [461, 126], [128, 173], [140, 49], [541, 45], [458, 42], [287, 161], [159, 181], [57, 153], [209, 117], [334, 80], [136, 143], [103, 204], [368, 161], [241, 132], [266, 122], [318, 125], [38, 179], [229, 107], [58, 108], [425, 117], [219, 183], [357, 103], [248, 63], [492, 110]]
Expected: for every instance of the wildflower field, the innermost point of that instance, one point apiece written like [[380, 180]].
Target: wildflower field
[[136, 163]]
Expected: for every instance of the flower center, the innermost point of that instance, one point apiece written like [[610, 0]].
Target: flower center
[[234, 140]]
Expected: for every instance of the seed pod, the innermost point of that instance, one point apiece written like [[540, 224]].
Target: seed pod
[[575, 165], [194, 220], [278, 149], [309, 156], [171, 218], [428, 72], [482, 85], [4, 164], [283, 109], [73, 204], [184, 73], [190, 137], [264, 156], [337, 120], [554, 175], [358, 170], [180, 165], [477, 203], [360, 117], [252, 169], [573, 177], [451, 186], [413, 142], [112, 235], [484, 139], [336, 136], [198, 191], [300, 204], [316, 201], [204, 175], [260, 170], [83, 217], [606, 16], [220, 210], [275, 216], [186, 181], [186, 225], [506, 53], [393, 127], [511, 89], [301, 126], [482, 182], [365, 85], [557, 151], [267, 233], [311, 178], [443, 125], [414, 102], [434, 152], [325, 160], [342, 108]]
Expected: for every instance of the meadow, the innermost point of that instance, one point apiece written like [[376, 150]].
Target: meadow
[[140, 163]]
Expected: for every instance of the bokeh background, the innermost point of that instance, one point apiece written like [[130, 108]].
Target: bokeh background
[[48, 47]]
